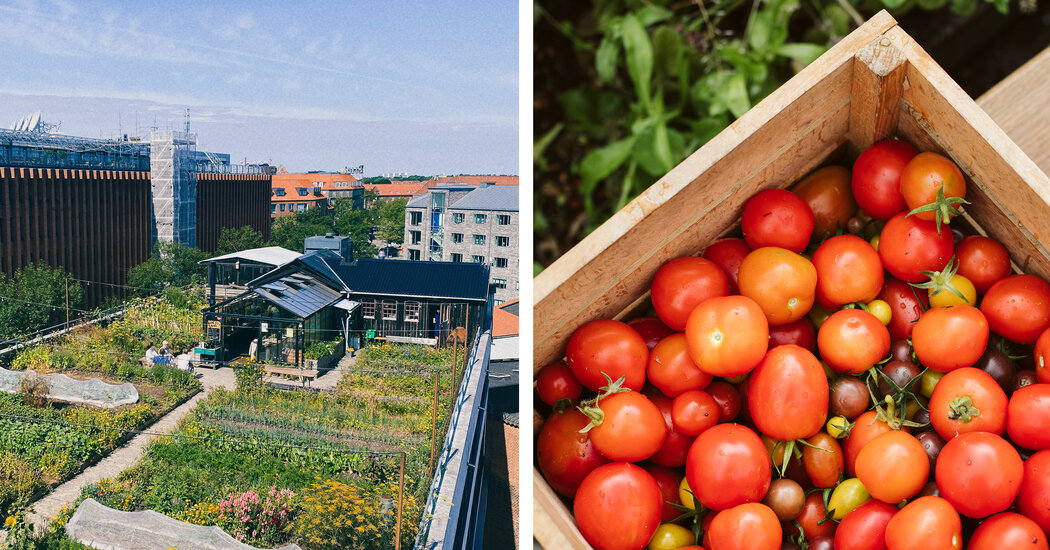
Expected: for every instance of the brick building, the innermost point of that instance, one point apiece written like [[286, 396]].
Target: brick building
[[463, 223]]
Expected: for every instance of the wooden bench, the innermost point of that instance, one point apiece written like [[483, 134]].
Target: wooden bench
[[1020, 105], [305, 376]]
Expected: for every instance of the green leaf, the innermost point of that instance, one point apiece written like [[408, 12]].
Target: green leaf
[[801, 52], [964, 7], [607, 57], [601, 162], [930, 5], [541, 144], [650, 14], [735, 95], [893, 4], [761, 31], [667, 50], [639, 52], [662, 147], [1002, 5]]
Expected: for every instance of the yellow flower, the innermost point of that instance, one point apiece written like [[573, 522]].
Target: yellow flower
[[10, 521]]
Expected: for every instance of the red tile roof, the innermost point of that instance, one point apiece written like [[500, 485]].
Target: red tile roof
[[504, 323], [473, 180], [290, 190], [397, 189]]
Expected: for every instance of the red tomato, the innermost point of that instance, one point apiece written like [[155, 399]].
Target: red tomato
[[852, 340], [566, 456], [813, 512], [632, 428], [924, 176], [906, 306], [668, 480], [651, 329], [948, 338], [611, 347], [556, 382], [751, 526], [682, 284], [1027, 421], [788, 394], [909, 246], [848, 270], [1034, 499], [727, 466], [1042, 357], [1018, 307], [618, 507], [799, 333], [671, 369], [983, 261], [877, 178], [781, 282], [967, 400], [926, 523], [865, 527], [866, 427], [1008, 530], [727, 336], [979, 473], [893, 467], [777, 217], [728, 255], [675, 448], [825, 463], [693, 412], [828, 195], [728, 399]]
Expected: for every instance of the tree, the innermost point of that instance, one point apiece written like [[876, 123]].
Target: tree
[[291, 231], [238, 239], [357, 225], [35, 298], [172, 264], [389, 220]]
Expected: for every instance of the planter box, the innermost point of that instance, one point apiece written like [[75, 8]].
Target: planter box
[[875, 83], [328, 361]]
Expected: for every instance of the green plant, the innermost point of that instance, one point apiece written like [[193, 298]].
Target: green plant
[[249, 375], [318, 350], [34, 389]]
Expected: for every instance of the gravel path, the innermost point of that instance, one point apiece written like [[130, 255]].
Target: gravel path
[[126, 456]]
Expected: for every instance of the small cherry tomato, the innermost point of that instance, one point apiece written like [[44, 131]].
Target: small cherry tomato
[[924, 524], [685, 494], [893, 467], [933, 179], [669, 536], [728, 399], [651, 329], [1008, 530], [983, 261], [907, 305], [693, 412], [852, 340], [948, 338], [848, 270], [823, 460], [876, 179], [788, 394], [967, 400], [777, 217], [812, 518], [1042, 357], [682, 284], [846, 497], [1027, 421], [669, 481], [865, 527], [751, 526], [979, 473], [881, 310], [1018, 307], [727, 466], [727, 336], [672, 370], [564, 455], [631, 427], [786, 498], [780, 281], [556, 382], [908, 246], [865, 428], [728, 255], [827, 193], [675, 447], [837, 426]]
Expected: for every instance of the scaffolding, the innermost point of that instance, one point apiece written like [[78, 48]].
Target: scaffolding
[[43, 150], [173, 177]]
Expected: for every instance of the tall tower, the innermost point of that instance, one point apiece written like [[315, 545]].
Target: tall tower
[[173, 174]]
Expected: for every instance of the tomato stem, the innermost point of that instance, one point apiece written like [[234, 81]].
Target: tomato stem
[[944, 208], [961, 408], [941, 281]]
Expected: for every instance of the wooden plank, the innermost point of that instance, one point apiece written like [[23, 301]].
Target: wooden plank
[[878, 81], [1018, 105], [1010, 193], [590, 281], [552, 524]]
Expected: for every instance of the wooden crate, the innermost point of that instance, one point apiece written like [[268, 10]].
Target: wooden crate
[[875, 83]]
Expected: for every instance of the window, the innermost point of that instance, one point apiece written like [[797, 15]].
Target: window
[[368, 310], [479, 239], [282, 208], [412, 312], [502, 241], [500, 283], [477, 259], [458, 217], [413, 254], [501, 262], [416, 236], [389, 311], [500, 302], [279, 192], [457, 257], [273, 208], [301, 207], [481, 218], [417, 218], [503, 219], [457, 237], [303, 191]]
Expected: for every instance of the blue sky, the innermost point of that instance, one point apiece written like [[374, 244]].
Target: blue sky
[[418, 87]]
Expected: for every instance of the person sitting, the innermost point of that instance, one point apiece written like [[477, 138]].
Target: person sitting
[[151, 354], [182, 361], [165, 350]]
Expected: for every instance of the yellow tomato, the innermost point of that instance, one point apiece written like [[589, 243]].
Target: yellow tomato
[[848, 495], [881, 310], [945, 297], [837, 427], [685, 494], [669, 536], [875, 242]]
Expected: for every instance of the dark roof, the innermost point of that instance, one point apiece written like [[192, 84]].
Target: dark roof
[[469, 281], [298, 293], [511, 307]]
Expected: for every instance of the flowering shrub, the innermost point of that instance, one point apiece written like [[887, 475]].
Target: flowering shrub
[[336, 515], [252, 519], [249, 374]]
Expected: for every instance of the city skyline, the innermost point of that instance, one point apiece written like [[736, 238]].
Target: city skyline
[[397, 87]]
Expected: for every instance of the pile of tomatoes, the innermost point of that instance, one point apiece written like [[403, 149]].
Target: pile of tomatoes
[[854, 373]]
